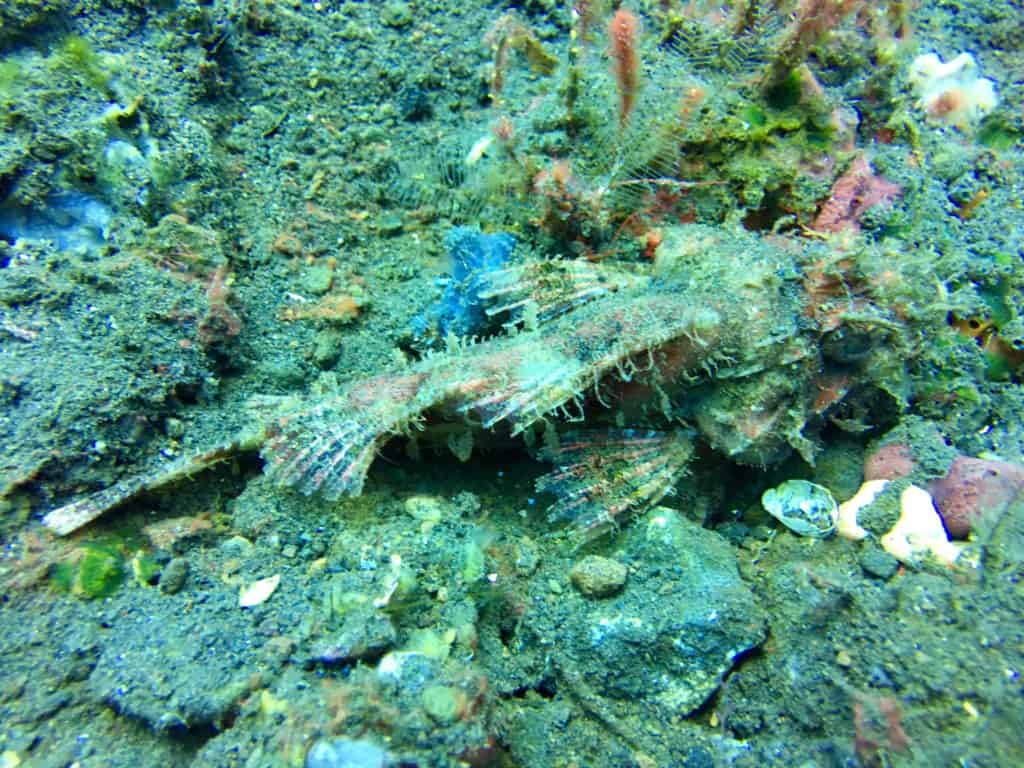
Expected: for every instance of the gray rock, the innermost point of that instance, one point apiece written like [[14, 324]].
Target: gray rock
[[365, 634], [173, 576], [175, 670], [346, 753], [670, 638], [879, 563]]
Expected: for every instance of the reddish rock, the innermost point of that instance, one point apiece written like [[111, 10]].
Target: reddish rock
[[890, 462], [975, 488]]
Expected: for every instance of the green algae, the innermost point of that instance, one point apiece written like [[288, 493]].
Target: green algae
[[97, 571]]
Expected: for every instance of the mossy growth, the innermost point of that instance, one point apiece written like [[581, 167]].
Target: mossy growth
[[998, 134], [785, 93], [77, 55], [97, 572], [145, 569], [11, 76]]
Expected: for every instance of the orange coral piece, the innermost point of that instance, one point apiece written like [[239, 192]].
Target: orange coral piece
[[336, 308], [853, 193], [622, 34]]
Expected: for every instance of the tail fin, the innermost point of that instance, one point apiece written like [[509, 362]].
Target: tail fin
[[71, 517], [329, 446]]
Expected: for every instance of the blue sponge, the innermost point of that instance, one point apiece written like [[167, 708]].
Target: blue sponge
[[460, 311]]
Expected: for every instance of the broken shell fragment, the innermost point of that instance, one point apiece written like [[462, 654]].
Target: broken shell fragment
[[919, 531], [806, 508], [848, 527], [258, 592]]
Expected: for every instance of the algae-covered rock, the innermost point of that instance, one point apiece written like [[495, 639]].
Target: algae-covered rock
[[677, 628], [442, 703], [365, 634], [596, 576], [98, 571]]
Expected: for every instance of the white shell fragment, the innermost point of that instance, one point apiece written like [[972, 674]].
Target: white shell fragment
[[848, 526], [919, 531], [805, 508], [952, 91], [258, 592]]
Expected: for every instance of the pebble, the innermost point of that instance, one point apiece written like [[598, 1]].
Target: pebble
[[396, 14], [237, 546], [879, 563], [427, 509], [173, 576], [441, 702], [596, 576], [346, 753], [317, 279], [366, 634]]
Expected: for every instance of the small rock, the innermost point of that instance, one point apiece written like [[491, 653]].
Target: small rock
[[427, 509], [327, 346], [527, 558], [879, 564], [237, 546], [346, 753], [317, 279], [173, 576], [366, 634], [390, 225], [441, 702], [396, 14], [596, 576], [287, 244]]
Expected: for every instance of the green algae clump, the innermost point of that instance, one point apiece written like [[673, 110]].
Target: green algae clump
[[77, 54], [98, 571]]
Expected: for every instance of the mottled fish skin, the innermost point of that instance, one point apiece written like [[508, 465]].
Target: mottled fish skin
[[632, 358]]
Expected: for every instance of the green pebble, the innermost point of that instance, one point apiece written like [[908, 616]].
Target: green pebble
[[390, 225], [396, 15], [441, 703], [317, 279]]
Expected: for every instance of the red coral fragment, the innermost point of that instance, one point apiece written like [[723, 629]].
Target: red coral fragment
[[890, 462], [853, 194], [974, 489], [623, 30]]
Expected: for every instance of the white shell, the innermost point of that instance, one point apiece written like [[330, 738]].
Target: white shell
[[806, 508], [258, 592]]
